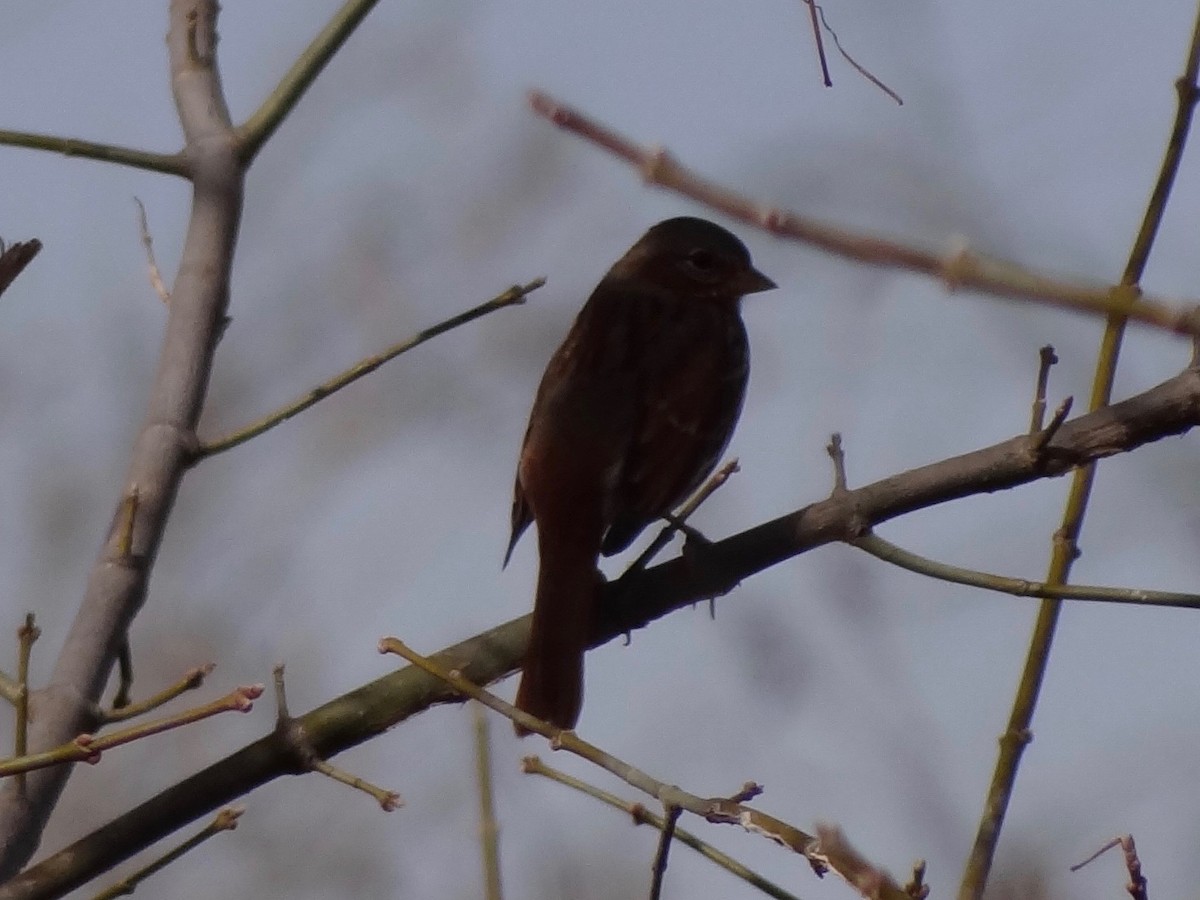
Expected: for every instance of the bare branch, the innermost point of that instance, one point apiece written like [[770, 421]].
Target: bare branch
[[1065, 548], [257, 130], [292, 734], [165, 444], [533, 765], [226, 820], [27, 634], [1169, 408], [155, 276], [718, 810], [959, 269], [515, 295], [166, 163], [659, 869], [1046, 359], [489, 830], [88, 747], [191, 680], [1018, 587], [1137, 881]]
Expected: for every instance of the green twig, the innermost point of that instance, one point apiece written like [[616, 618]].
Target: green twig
[[88, 748], [1019, 587], [511, 297], [489, 831], [1065, 549], [191, 680], [166, 163], [27, 634], [257, 130], [226, 820]]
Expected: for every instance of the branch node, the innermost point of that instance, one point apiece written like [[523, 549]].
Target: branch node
[[1041, 440]]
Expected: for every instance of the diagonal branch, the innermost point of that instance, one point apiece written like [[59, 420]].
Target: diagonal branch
[[1168, 409], [957, 269], [513, 296], [257, 130]]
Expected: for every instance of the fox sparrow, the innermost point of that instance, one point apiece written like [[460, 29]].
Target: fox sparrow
[[632, 413]]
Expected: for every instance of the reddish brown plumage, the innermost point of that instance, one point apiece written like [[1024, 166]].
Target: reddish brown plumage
[[632, 413]]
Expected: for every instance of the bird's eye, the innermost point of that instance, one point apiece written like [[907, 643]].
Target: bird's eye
[[704, 260]]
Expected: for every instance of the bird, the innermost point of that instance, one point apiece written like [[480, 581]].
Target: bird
[[631, 415]]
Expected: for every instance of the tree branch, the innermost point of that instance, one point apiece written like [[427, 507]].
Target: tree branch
[[1170, 408], [1065, 548], [957, 269], [165, 444], [166, 163]]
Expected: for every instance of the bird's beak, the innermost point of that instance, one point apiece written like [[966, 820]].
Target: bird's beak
[[751, 281]]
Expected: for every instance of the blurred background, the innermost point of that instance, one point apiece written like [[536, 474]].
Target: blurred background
[[411, 183]]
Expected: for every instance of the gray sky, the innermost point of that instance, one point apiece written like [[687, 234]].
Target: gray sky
[[412, 183]]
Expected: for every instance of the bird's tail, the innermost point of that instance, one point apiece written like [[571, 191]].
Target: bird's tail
[[552, 681]]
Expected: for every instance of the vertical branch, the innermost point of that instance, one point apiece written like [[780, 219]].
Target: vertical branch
[[1065, 549], [165, 444], [489, 831]]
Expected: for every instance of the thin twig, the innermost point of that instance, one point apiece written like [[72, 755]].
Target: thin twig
[[292, 734], [1065, 546], [27, 635], [10, 690], [917, 887], [513, 296], [659, 869], [1042, 439], [1137, 881], [816, 28], [166, 163], [192, 679], [858, 67], [489, 831], [1019, 587], [1046, 359], [123, 546], [89, 748], [226, 820], [257, 130], [718, 810], [534, 765], [958, 270], [155, 276], [663, 538]]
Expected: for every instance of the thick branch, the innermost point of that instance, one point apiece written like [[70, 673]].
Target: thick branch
[[1168, 409], [166, 441]]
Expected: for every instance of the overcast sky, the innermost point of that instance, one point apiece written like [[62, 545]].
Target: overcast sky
[[411, 183]]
